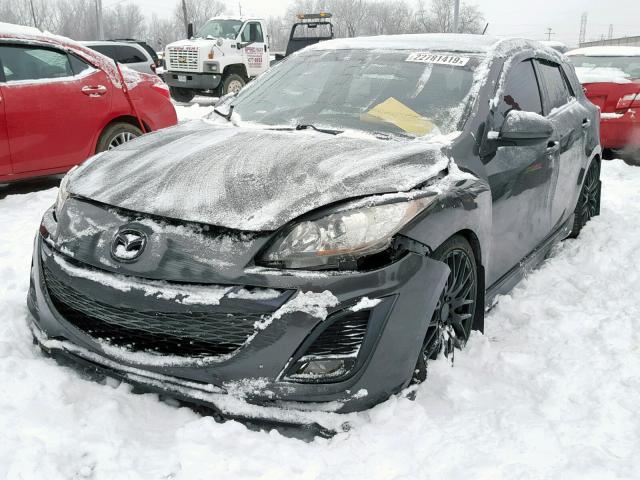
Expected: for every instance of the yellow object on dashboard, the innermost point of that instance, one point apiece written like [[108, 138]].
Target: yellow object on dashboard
[[397, 113]]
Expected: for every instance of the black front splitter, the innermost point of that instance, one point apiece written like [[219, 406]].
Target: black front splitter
[[99, 373]]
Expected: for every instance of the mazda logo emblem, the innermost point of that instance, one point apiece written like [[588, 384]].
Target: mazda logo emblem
[[128, 245]]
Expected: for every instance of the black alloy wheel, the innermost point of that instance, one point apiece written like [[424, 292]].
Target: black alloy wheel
[[588, 205], [452, 320]]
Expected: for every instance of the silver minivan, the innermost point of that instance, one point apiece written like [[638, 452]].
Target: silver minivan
[[127, 53]]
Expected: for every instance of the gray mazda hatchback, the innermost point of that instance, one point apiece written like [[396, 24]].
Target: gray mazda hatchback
[[322, 235]]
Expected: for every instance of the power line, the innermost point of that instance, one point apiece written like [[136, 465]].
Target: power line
[[549, 32], [583, 28]]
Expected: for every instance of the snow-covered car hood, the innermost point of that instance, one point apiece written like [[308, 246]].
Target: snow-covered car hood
[[247, 178]]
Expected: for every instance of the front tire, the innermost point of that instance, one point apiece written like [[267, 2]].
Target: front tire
[[183, 95], [117, 134], [452, 320], [233, 83], [588, 205]]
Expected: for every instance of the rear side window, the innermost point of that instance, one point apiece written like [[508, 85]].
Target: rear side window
[[33, 63], [252, 33], [130, 54], [557, 87], [108, 50], [521, 91], [78, 65]]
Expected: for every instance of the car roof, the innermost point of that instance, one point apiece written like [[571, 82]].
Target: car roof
[[90, 43], [443, 42], [607, 51]]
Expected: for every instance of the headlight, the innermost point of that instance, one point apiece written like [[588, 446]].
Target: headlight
[[342, 236], [63, 192]]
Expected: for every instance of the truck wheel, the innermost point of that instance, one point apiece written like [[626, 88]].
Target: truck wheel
[[232, 83], [117, 134], [183, 95]]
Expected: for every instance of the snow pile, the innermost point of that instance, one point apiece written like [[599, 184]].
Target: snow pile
[[550, 391]]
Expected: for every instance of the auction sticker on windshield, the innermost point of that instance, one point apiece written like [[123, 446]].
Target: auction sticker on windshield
[[428, 57]]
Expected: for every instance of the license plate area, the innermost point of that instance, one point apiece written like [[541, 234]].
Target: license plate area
[[182, 78]]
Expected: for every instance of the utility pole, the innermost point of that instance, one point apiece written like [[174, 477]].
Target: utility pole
[[456, 16], [583, 28], [240, 8], [185, 16], [610, 36], [33, 15], [549, 33], [99, 26]]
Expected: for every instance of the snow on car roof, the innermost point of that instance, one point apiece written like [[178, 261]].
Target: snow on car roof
[[606, 51], [31, 34], [444, 42]]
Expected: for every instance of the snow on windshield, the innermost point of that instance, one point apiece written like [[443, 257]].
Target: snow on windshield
[[618, 69], [413, 93]]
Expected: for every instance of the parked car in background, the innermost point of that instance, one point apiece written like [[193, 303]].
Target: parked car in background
[[610, 76], [141, 43], [130, 54], [320, 254], [61, 102]]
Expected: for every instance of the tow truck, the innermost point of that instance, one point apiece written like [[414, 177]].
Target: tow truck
[[311, 28], [225, 54]]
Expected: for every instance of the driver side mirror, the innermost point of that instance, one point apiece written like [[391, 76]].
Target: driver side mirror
[[522, 126]]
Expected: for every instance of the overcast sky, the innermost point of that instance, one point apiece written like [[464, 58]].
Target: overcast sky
[[524, 18]]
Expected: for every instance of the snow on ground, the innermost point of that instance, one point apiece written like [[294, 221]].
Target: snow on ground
[[550, 391]]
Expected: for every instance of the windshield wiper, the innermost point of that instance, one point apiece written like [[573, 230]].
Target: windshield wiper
[[389, 135], [305, 126], [226, 116]]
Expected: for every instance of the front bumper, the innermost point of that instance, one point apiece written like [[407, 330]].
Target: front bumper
[[193, 81], [407, 289]]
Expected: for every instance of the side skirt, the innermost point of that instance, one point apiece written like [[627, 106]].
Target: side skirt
[[510, 279]]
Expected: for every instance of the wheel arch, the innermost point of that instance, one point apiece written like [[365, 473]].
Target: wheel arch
[[131, 120], [237, 68]]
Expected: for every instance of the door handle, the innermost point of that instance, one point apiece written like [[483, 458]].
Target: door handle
[[94, 91], [553, 147], [586, 122]]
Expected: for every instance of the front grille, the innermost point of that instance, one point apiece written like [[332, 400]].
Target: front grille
[[183, 58], [188, 334], [343, 336]]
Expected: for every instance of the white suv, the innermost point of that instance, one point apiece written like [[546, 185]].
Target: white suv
[[127, 53]]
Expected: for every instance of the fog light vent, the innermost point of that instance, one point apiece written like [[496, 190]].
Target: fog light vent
[[333, 353]]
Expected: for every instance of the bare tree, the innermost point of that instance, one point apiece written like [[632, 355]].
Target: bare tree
[[438, 17], [124, 21], [198, 11]]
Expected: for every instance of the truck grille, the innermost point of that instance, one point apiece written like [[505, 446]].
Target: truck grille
[[187, 334], [183, 59]]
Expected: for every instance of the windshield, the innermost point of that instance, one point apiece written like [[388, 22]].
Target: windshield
[[401, 92], [627, 67], [220, 29]]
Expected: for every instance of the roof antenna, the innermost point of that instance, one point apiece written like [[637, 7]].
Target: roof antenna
[[485, 28]]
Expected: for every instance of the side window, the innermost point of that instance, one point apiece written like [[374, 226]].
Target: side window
[[128, 54], [108, 50], [557, 88], [33, 63], [78, 65], [252, 33], [521, 91]]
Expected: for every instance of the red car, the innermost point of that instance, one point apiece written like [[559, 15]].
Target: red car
[[611, 79], [61, 102]]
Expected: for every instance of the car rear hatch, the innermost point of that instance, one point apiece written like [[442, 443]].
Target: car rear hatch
[[613, 97]]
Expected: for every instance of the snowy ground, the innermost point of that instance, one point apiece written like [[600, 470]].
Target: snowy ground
[[552, 390]]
